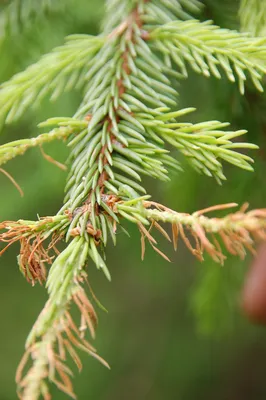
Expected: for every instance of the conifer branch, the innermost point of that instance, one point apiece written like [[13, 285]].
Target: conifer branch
[[55, 333], [121, 131], [64, 68], [237, 231], [11, 150], [35, 253], [205, 47], [153, 12]]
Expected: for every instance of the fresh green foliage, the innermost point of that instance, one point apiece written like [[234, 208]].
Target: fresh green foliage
[[19, 147], [155, 11], [123, 129], [64, 69], [205, 47]]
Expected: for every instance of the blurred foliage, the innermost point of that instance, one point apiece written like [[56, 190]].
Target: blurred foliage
[[149, 334]]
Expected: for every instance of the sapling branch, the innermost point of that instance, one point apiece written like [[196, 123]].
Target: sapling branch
[[126, 126], [10, 150]]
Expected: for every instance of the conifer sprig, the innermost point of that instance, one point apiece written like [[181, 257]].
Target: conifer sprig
[[55, 333], [153, 12], [123, 128], [205, 47], [33, 236], [237, 232], [11, 150], [65, 68]]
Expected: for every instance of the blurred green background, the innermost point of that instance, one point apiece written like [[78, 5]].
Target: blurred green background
[[173, 331]]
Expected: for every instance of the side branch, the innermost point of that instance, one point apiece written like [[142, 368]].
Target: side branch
[[236, 231], [205, 47], [11, 150], [55, 334]]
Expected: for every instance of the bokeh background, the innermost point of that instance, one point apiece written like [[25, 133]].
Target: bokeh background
[[172, 331]]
